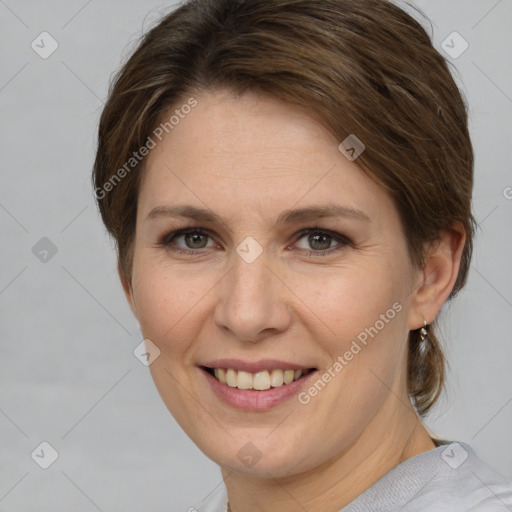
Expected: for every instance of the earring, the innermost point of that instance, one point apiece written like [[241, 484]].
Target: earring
[[423, 334]]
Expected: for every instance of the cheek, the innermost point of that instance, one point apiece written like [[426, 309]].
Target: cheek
[[347, 301], [169, 309], [360, 323], [167, 299]]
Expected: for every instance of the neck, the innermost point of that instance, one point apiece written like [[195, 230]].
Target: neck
[[386, 442]]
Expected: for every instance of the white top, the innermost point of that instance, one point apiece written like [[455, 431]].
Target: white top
[[449, 478]]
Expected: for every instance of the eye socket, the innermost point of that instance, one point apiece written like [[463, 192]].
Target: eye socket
[[189, 235], [320, 238], [323, 237], [315, 236], [192, 237]]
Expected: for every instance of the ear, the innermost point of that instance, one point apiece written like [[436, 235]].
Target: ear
[[438, 276], [128, 291]]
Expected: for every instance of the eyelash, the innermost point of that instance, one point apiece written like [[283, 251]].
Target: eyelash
[[166, 239]]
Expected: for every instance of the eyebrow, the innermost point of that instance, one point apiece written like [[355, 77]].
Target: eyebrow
[[309, 213]]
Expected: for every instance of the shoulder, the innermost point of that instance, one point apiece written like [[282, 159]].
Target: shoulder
[[464, 482], [449, 478]]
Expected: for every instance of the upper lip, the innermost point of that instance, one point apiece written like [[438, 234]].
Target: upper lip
[[254, 366]]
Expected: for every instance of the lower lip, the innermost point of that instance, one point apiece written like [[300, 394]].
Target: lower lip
[[253, 400]]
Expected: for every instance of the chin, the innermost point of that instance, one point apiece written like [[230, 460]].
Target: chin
[[261, 457]]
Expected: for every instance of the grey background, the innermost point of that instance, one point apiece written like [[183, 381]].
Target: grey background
[[67, 369]]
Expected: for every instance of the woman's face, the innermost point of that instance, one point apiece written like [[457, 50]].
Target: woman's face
[[253, 290]]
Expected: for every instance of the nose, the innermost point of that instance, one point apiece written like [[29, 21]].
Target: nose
[[252, 301]]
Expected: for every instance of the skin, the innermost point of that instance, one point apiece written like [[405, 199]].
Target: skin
[[248, 159]]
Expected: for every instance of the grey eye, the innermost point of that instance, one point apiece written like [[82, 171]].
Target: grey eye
[[195, 240], [317, 240]]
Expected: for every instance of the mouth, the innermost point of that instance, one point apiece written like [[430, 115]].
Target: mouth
[[255, 385], [260, 381]]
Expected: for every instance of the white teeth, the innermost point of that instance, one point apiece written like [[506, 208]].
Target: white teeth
[[244, 380], [260, 381], [276, 378], [221, 375], [231, 378], [288, 376]]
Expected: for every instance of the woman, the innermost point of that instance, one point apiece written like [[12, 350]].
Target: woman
[[288, 183]]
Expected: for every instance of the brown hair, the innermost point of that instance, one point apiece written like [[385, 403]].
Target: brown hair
[[362, 67]]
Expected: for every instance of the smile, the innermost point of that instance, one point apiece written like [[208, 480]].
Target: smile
[[260, 381]]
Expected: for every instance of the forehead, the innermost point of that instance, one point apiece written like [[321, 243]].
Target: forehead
[[253, 153]]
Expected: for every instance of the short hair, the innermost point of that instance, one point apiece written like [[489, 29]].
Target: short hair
[[360, 67]]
